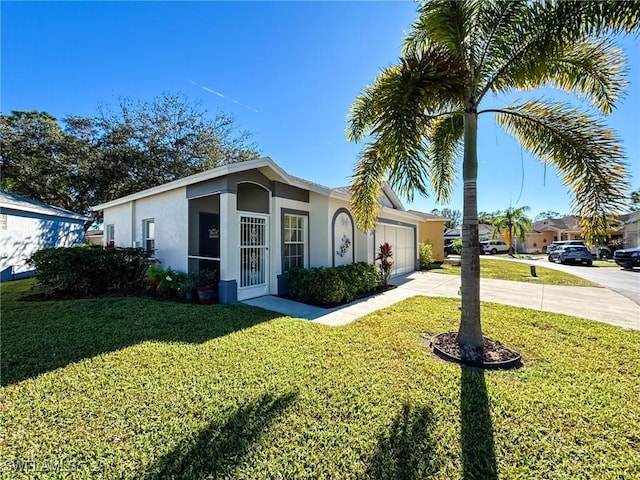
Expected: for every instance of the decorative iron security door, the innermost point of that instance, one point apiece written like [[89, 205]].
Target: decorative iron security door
[[253, 251]]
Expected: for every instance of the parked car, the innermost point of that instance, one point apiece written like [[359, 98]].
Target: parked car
[[571, 254], [493, 247], [627, 258], [600, 251]]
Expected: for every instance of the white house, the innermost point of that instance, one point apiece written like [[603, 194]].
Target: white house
[[27, 226], [251, 221], [632, 230]]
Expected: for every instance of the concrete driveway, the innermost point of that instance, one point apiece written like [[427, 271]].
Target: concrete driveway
[[624, 282], [594, 303]]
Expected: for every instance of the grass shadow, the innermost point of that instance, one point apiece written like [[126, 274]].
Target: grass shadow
[[219, 448], [478, 451], [407, 450], [38, 337]]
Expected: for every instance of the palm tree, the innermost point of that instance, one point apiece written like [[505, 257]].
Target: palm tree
[[419, 115], [514, 222]]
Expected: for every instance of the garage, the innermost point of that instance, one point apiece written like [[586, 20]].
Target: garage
[[403, 243]]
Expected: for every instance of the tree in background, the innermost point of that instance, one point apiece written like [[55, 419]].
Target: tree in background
[[39, 160], [486, 218], [547, 214], [454, 216], [635, 201], [88, 161], [512, 223], [420, 114]]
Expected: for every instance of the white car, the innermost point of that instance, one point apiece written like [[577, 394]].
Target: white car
[[494, 246]]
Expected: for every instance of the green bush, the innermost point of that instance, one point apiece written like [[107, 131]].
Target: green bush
[[89, 270], [426, 255], [457, 245], [332, 285]]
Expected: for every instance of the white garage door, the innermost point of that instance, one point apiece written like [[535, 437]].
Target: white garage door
[[402, 241]]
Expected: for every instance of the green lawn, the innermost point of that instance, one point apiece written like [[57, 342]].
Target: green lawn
[[520, 272], [137, 388]]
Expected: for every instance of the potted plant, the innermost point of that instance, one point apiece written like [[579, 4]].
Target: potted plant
[[186, 284], [205, 285]]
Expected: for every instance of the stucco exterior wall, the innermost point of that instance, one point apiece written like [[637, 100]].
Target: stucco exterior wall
[[170, 213], [632, 233], [26, 233], [432, 232]]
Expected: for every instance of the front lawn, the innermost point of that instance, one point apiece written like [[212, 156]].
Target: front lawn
[[520, 272], [137, 388]]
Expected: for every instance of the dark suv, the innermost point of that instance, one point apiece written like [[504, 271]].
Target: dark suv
[[627, 258]]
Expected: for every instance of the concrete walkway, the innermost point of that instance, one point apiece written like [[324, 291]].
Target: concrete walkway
[[593, 303]]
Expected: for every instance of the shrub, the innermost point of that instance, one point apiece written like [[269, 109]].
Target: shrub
[[385, 253], [457, 245], [426, 255], [332, 285], [90, 270]]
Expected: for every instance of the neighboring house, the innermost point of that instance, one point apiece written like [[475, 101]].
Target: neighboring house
[[549, 230], [95, 237], [485, 232], [252, 221], [431, 231], [27, 226], [632, 230]]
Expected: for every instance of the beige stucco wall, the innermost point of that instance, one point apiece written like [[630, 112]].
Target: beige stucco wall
[[432, 232]]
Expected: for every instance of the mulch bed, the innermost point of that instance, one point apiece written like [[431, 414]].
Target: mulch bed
[[370, 293], [492, 355]]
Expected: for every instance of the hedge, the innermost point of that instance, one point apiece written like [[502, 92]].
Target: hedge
[[86, 270], [332, 285]]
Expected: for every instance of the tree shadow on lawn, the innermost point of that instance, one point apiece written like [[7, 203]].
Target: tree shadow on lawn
[[406, 451], [219, 448], [38, 337], [478, 452]]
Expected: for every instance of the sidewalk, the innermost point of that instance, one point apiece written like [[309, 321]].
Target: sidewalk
[[597, 304]]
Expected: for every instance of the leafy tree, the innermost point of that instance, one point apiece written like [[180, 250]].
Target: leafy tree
[[635, 201], [454, 216], [547, 214], [87, 161], [486, 218], [420, 114], [39, 160], [512, 223]]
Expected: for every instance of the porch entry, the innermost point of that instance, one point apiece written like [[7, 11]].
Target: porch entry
[[254, 255]]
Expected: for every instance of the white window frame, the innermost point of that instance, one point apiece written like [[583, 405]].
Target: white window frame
[[110, 234], [300, 239], [149, 238]]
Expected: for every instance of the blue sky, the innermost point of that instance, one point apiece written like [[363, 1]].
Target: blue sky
[[288, 71]]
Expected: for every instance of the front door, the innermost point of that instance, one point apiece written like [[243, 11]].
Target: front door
[[254, 256]]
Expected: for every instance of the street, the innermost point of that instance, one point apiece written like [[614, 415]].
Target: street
[[624, 282]]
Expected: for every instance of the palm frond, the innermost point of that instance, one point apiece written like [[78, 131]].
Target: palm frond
[[366, 186], [361, 115], [550, 30], [444, 148], [601, 17], [447, 24], [587, 155], [592, 69]]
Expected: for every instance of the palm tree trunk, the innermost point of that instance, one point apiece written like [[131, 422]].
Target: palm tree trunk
[[470, 331]]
